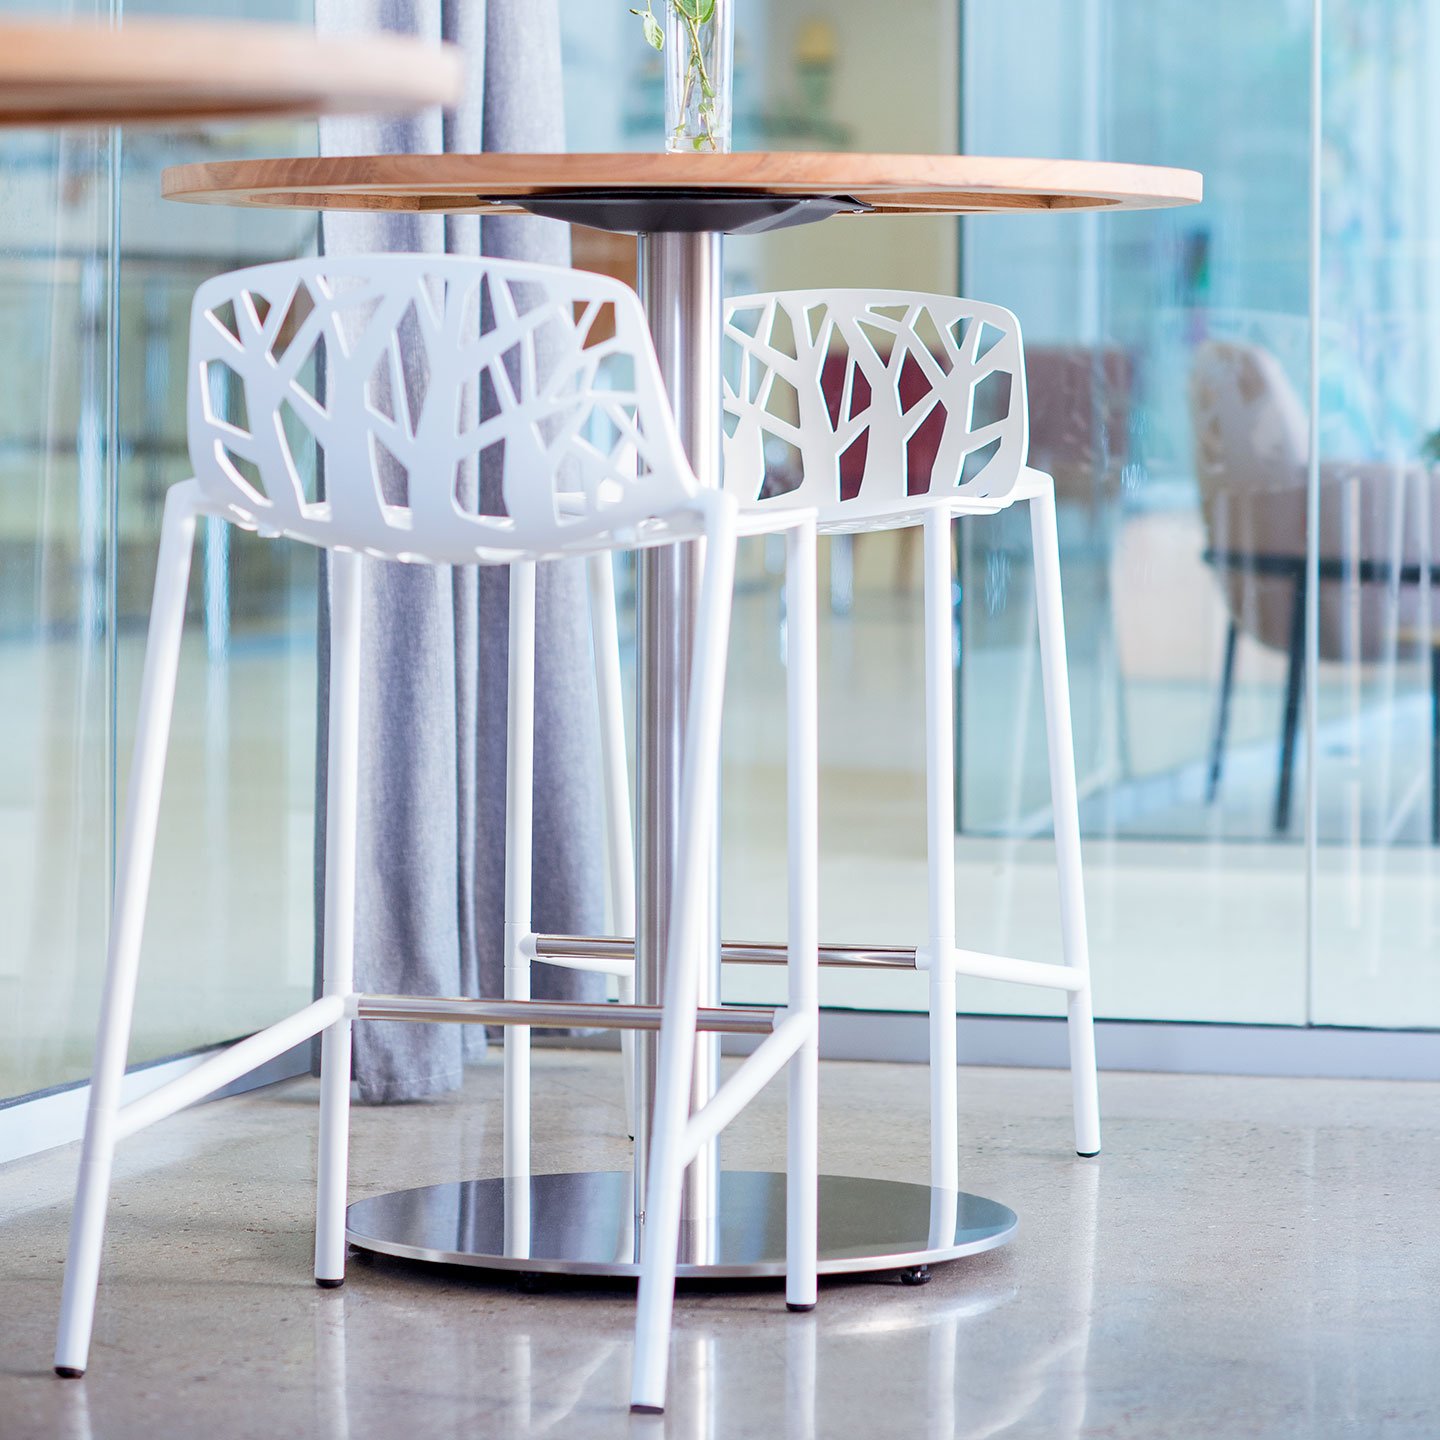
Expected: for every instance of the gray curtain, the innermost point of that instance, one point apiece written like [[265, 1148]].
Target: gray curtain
[[432, 748]]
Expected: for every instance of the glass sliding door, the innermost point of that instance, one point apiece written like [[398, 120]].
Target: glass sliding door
[[1377, 824], [1243, 625], [1168, 358], [97, 274], [1248, 631], [1170, 370], [229, 939], [56, 776]]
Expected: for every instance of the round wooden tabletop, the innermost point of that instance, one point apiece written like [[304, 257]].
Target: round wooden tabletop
[[878, 184], [164, 71]]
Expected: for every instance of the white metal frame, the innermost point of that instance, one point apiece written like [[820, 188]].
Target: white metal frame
[[775, 395], [778, 348], [428, 363]]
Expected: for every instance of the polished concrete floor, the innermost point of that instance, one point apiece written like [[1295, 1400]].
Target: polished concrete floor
[[1248, 1258]]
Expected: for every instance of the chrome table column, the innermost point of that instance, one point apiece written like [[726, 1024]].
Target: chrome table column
[[681, 279]]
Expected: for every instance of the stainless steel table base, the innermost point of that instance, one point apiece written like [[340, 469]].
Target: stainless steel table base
[[584, 1224]]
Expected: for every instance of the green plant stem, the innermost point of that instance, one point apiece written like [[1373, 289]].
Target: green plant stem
[[698, 70]]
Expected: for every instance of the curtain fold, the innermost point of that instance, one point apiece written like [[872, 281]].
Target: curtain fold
[[430, 882]]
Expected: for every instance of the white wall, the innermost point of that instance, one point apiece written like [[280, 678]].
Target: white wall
[[897, 85]]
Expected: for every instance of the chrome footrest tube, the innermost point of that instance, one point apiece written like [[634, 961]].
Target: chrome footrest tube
[[562, 948], [557, 1014]]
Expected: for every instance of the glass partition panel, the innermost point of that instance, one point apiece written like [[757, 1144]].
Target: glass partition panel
[[97, 274], [1183, 816], [1169, 382], [1377, 742], [1168, 365], [55, 603], [229, 938], [837, 75], [879, 80]]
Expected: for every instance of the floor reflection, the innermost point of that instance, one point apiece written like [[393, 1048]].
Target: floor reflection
[[930, 1363]]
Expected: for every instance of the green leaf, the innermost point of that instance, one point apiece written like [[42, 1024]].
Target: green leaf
[[654, 35], [706, 87], [706, 12], [700, 142], [690, 9]]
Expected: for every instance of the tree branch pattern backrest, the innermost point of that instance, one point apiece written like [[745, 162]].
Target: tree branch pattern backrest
[[857, 401], [458, 409]]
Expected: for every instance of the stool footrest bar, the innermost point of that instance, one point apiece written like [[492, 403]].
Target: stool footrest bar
[[1047, 974], [887, 957], [617, 956], [556, 1014], [596, 951]]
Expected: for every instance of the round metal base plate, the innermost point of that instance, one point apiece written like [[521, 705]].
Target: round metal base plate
[[583, 1224]]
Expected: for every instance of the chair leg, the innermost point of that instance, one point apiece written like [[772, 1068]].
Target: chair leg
[[1065, 805], [519, 833], [615, 780], [660, 1235], [341, 803], [132, 885], [940, 849], [1222, 715], [1290, 723], [802, 1175]]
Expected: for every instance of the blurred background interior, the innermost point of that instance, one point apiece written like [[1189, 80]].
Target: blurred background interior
[[1170, 385]]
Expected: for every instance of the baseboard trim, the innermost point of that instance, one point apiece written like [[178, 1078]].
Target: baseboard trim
[[1315, 1051], [32, 1123], [1039, 1042]]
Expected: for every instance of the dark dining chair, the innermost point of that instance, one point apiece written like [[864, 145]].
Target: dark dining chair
[[1379, 538]]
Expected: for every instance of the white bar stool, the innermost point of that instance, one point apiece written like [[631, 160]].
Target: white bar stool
[[410, 347], [816, 376], [820, 373]]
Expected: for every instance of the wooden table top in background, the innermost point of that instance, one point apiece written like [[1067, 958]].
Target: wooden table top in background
[[499, 183], [169, 71]]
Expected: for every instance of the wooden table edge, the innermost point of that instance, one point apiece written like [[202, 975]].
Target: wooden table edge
[[154, 69], [493, 183]]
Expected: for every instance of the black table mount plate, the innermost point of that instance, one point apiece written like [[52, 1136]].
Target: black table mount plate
[[584, 1224], [670, 210]]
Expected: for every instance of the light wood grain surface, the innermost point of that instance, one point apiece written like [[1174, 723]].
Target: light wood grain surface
[[891, 184], [163, 71]]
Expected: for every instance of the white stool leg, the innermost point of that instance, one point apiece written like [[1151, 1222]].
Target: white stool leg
[[940, 849], [132, 886], [338, 978], [615, 779], [802, 1180], [519, 835], [700, 777], [1066, 807]]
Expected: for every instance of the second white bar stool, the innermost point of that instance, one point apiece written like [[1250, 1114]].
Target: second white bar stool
[[819, 374]]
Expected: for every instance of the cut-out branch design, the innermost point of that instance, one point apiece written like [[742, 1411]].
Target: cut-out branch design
[[407, 372], [844, 384]]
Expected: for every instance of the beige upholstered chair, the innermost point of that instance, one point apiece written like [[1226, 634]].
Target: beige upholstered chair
[[1379, 530]]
